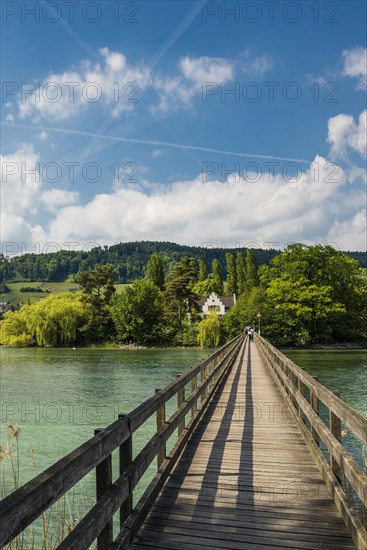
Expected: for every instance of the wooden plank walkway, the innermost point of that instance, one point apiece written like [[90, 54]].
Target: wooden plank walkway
[[246, 480]]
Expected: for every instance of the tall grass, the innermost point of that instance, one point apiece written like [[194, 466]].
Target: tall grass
[[54, 524]]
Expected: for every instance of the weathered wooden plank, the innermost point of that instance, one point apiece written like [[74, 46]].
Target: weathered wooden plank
[[23, 506], [97, 518], [236, 484], [345, 412], [141, 413]]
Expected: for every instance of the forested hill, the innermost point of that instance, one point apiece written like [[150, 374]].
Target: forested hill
[[128, 259]]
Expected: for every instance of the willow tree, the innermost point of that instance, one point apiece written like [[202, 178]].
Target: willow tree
[[52, 321], [209, 331]]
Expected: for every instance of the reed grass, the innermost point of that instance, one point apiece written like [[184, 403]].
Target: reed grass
[[57, 522]]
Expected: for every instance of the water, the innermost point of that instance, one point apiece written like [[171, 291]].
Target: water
[[338, 370], [59, 396]]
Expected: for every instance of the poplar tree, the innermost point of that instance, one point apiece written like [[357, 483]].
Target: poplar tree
[[155, 271], [231, 274], [203, 272], [217, 277], [251, 279], [241, 273]]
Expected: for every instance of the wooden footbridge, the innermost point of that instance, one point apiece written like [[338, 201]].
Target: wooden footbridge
[[256, 464]]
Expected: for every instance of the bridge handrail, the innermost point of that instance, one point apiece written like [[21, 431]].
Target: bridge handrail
[[342, 469], [23, 506]]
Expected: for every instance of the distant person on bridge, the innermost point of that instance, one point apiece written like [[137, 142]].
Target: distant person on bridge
[[251, 334]]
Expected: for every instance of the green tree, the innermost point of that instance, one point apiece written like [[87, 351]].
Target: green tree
[[241, 273], [203, 272], [251, 275], [204, 288], [155, 271], [231, 274], [52, 321], [194, 271], [209, 333], [179, 288], [314, 293], [217, 277], [139, 314], [97, 291]]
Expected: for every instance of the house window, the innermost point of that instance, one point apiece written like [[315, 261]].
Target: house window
[[214, 308]]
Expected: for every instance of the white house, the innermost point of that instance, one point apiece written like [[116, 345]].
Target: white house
[[219, 304]]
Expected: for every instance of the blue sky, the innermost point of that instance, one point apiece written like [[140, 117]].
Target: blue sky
[[183, 121]]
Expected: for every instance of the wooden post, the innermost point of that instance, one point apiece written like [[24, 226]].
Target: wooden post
[[161, 419], [202, 378], [126, 458], [194, 385], [302, 391], [363, 513], [315, 405], [180, 400], [103, 483], [336, 430], [294, 381]]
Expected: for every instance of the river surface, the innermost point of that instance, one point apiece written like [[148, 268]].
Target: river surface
[[59, 396]]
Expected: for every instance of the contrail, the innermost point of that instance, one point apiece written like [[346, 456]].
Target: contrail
[[153, 142], [175, 35], [66, 25], [171, 40]]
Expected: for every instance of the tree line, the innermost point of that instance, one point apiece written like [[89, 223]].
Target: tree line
[[306, 294], [128, 259]]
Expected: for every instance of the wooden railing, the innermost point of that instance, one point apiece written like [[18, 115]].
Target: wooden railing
[[344, 477], [29, 502]]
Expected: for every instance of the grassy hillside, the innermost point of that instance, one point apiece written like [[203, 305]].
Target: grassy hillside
[[15, 297]]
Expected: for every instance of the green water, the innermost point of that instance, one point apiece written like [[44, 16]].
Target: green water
[[338, 370], [59, 396]]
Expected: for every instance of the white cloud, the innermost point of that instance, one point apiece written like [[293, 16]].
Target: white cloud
[[20, 181], [111, 81], [9, 118], [206, 69], [178, 91], [351, 234], [56, 198], [355, 65], [198, 211], [256, 65], [42, 135], [345, 134], [116, 84], [157, 153], [321, 206]]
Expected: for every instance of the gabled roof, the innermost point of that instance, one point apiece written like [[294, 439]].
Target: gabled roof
[[227, 301]]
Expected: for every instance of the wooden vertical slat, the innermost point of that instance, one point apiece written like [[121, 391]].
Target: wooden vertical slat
[[126, 458], [180, 400], [103, 483], [161, 419], [193, 389], [316, 407], [202, 378], [336, 430], [302, 390]]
